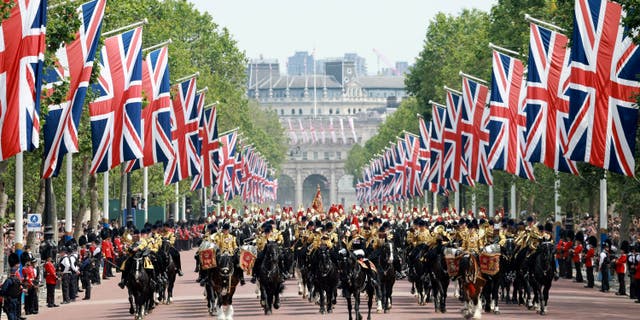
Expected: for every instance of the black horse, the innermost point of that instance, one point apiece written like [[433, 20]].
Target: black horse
[[383, 258], [169, 270], [356, 279], [325, 278], [436, 267], [139, 287], [508, 271], [287, 257], [419, 273], [224, 280], [491, 289], [271, 282], [302, 269], [541, 274]]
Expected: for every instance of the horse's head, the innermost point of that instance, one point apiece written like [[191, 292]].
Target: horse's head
[[509, 248], [387, 253], [323, 260], [272, 252], [546, 251], [225, 264]]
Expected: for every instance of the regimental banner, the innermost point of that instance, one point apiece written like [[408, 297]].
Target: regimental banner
[[208, 259], [247, 259], [489, 263], [453, 265]]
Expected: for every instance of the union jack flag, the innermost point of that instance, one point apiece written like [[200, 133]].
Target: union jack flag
[[185, 120], [453, 165], [506, 122], [74, 61], [400, 158], [414, 185], [227, 164], [22, 42], [209, 150], [547, 105], [238, 174], [425, 156], [603, 87], [197, 179], [475, 136], [436, 173], [115, 114], [156, 116]]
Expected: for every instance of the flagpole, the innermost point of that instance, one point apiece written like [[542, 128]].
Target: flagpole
[[204, 202], [556, 197], [159, 45], [176, 205], [145, 192], [195, 75], [131, 26], [435, 202], [183, 210], [105, 195], [491, 208], [19, 197], [603, 207], [68, 195], [513, 201], [473, 203], [462, 74], [129, 196], [529, 18], [505, 50]]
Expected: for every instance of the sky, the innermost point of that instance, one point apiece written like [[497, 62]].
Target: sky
[[279, 28]]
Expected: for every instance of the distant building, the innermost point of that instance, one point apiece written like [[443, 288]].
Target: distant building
[[324, 115], [360, 63], [402, 67], [300, 63]]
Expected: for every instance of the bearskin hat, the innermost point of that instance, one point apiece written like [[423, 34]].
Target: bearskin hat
[[592, 240], [13, 259], [570, 234], [548, 227], [579, 236], [624, 246]]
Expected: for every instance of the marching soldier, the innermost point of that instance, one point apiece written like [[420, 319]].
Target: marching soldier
[[226, 243]]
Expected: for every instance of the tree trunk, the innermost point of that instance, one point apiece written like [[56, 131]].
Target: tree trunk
[[39, 208], [78, 218], [93, 200], [594, 202]]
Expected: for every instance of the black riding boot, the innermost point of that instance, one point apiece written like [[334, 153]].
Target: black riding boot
[[176, 258], [125, 272], [240, 274]]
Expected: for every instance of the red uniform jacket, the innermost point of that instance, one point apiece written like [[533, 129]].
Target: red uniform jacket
[[107, 249], [637, 275], [117, 244], [560, 249], [50, 273], [589, 257], [621, 264], [28, 275], [576, 253], [567, 246]]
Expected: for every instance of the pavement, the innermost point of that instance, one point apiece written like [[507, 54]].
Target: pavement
[[568, 300]]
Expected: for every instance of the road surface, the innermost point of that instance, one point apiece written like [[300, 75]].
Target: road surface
[[567, 300]]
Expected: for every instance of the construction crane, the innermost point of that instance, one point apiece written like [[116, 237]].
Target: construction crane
[[386, 61]]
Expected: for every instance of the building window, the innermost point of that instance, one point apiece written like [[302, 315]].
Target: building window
[[293, 111], [337, 111], [338, 155], [304, 155], [359, 110], [326, 155], [282, 112], [315, 156], [299, 111], [330, 111], [320, 111], [349, 111]]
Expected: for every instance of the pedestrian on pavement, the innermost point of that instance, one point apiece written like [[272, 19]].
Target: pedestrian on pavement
[[621, 268], [11, 292], [604, 265], [67, 269], [577, 257], [51, 278], [588, 259], [636, 276], [29, 282], [86, 272]]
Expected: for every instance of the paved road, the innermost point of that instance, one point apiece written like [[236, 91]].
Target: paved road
[[567, 301]]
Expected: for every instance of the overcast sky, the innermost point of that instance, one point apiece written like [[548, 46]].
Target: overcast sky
[[278, 28]]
